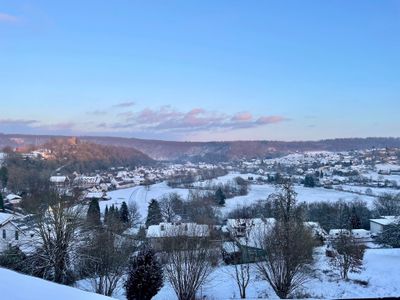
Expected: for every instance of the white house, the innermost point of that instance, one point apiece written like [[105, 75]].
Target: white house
[[60, 181], [10, 233], [378, 225], [164, 230]]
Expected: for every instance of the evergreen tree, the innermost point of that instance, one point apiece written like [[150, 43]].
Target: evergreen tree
[[124, 213], [355, 222], [309, 181], [1, 203], [106, 214], [145, 276], [220, 197], [154, 216], [93, 213], [3, 176]]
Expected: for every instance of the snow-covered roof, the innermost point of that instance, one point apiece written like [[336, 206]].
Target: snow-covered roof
[[383, 221], [361, 233], [58, 179], [96, 195], [249, 231], [177, 229], [13, 197], [336, 232], [5, 218]]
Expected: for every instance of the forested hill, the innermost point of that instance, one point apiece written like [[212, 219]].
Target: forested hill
[[213, 151], [83, 155]]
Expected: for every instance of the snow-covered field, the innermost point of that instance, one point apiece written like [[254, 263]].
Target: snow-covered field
[[15, 286], [141, 195], [375, 191], [308, 195], [377, 176]]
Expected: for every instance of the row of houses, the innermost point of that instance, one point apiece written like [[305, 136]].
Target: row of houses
[[239, 237]]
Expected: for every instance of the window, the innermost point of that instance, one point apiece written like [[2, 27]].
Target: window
[[4, 234], [16, 235], [162, 227]]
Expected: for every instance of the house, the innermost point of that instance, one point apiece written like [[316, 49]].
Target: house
[[336, 233], [378, 225], [157, 233], [60, 181], [245, 237], [13, 199], [95, 194], [85, 182], [10, 233], [361, 235]]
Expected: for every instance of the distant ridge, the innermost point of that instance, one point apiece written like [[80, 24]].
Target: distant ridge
[[212, 151]]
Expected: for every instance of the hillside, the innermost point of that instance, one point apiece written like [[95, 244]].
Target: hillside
[[77, 154], [15, 286], [213, 151]]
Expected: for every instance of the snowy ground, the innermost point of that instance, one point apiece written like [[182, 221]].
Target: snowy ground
[[381, 271], [15, 286], [141, 195], [308, 195], [377, 176], [376, 191]]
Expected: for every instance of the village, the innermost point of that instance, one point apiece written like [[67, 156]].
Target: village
[[244, 186]]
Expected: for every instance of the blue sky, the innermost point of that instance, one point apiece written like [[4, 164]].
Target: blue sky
[[201, 70]]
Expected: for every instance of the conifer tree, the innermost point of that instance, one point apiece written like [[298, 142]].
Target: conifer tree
[[154, 216], [145, 276], [1, 203], [106, 214], [220, 197], [93, 213], [124, 213]]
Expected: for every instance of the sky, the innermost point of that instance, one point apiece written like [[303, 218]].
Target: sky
[[201, 70]]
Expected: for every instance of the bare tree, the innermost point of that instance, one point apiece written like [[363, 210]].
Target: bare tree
[[134, 214], [240, 270], [106, 257], [169, 206], [188, 261], [387, 205], [242, 277], [287, 246], [56, 240], [348, 255]]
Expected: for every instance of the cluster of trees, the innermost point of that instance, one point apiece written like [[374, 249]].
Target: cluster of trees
[[72, 243], [84, 157], [25, 176], [188, 178], [172, 208], [310, 181], [339, 214]]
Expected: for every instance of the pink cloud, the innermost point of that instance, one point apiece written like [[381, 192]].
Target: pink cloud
[[169, 119], [270, 120], [242, 117]]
